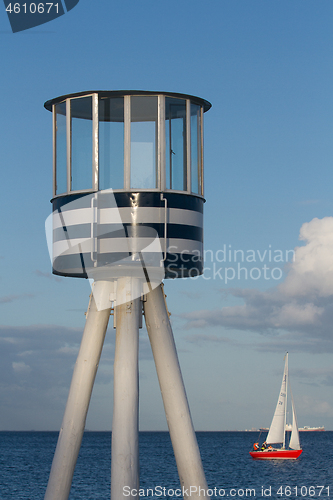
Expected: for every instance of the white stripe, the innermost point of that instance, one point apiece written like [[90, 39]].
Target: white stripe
[[133, 245], [187, 217], [141, 244], [150, 215], [72, 217], [127, 215]]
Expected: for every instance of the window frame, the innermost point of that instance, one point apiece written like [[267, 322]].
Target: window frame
[[161, 145]]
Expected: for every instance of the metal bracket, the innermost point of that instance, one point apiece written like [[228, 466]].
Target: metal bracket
[[165, 224], [90, 297], [164, 297], [113, 311], [93, 229]]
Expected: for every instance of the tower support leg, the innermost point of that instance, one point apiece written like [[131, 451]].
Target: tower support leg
[[74, 419], [184, 442], [125, 423]]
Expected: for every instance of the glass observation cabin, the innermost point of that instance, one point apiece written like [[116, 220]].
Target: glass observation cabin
[[146, 148]]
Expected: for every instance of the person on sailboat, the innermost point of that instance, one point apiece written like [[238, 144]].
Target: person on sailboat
[[256, 446], [264, 446]]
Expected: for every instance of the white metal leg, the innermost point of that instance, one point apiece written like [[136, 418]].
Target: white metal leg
[[74, 419], [184, 442], [125, 423]]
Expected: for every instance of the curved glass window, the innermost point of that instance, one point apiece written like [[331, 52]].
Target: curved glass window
[[111, 143], [111, 140], [61, 149], [81, 143], [175, 136], [196, 175], [144, 142]]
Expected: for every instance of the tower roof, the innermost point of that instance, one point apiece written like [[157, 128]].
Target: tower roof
[[119, 93]]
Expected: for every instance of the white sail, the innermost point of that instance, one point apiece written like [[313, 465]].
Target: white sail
[[294, 438], [276, 432]]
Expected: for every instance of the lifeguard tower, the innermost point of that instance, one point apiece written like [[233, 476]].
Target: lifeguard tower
[[127, 213]]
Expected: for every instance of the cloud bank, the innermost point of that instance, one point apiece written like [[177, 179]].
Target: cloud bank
[[299, 310], [36, 367]]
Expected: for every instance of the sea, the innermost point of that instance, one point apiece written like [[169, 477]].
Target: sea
[[26, 457]]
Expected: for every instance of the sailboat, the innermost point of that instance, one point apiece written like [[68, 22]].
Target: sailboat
[[277, 430]]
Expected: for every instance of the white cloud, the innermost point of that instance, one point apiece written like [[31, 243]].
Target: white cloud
[[199, 337], [309, 405], [300, 308], [21, 367], [67, 349], [311, 275], [8, 340], [36, 367]]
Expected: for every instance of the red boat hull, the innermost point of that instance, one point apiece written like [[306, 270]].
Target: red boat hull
[[276, 454]]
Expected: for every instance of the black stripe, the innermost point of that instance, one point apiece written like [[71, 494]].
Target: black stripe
[[112, 231], [71, 232], [130, 230], [129, 200], [81, 201], [73, 265], [184, 201], [176, 265], [150, 260], [183, 232], [182, 266], [148, 199]]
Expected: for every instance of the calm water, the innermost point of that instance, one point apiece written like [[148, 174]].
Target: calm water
[[26, 457]]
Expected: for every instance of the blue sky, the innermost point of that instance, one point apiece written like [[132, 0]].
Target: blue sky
[[267, 69]]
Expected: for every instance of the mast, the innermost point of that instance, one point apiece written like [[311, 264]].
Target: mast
[[285, 406]]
